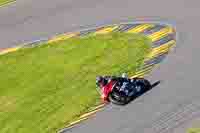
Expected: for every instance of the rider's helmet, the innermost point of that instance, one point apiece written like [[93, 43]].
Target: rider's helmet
[[100, 80]]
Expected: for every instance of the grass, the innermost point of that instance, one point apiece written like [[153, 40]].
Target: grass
[[45, 87], [4, 2], [193, 130]]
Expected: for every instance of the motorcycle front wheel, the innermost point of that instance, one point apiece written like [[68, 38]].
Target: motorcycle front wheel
[[118, 99]]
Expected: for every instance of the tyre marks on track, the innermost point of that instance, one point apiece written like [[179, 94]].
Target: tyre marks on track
[[167, 121]]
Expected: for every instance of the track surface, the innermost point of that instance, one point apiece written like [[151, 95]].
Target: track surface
[[170, 105]]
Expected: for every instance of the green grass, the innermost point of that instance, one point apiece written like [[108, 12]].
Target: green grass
[[43, 88], [193, 130], [4, 2]]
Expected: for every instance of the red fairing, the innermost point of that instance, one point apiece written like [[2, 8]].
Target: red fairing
[[107, 89]]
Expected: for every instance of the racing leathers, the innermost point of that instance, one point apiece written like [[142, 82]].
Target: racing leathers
[[123, 84]]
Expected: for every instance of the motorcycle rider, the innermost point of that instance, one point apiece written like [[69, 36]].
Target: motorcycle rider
[[120, 90], [123, 82], [103, 80]]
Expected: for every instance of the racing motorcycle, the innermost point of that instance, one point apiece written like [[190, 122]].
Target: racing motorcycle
[[121, 90]]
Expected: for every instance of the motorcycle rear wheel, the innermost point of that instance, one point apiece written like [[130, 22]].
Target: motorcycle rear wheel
[[143, 83]]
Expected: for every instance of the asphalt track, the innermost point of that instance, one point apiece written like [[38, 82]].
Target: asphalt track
[[169, 107]]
